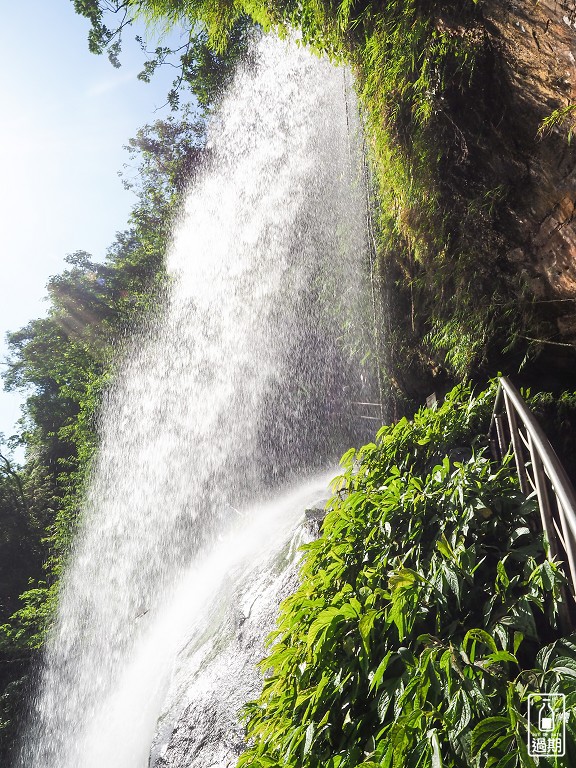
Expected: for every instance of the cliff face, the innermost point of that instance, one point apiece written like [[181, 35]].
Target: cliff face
[[496, 286], [476, 176], [533, 74]]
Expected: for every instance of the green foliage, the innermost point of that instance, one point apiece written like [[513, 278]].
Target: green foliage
[[203, 68], [206, 71], [21, 528], [168, 154], [19, 551], [26, 630], [563, 117], [416, 634], [557, 410], [205, 59], [65, 359], [461, 345], [13, 690]]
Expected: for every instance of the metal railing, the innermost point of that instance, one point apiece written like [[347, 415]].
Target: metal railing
[[515, 430], [367, 411]]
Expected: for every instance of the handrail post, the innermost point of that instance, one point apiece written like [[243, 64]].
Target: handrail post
[[543, 501], [516, 444], [570, 546], [551, 544], [499, 420]]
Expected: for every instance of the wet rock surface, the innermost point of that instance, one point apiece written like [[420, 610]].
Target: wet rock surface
[[216, 673]]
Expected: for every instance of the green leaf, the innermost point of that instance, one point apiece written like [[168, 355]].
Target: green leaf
[[436, 752], [453, 581], [308, 739], [444, 548], [379, 673], [509, 761], [525, 760], [564, 666], [405, 577], [488, 731], [502, 575], [477, 635], [499, 656], [324, 620], [459, 712], [366, 624], [518, 533], [386, 697]]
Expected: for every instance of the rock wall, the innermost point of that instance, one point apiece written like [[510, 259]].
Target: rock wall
[[534, 47], [216, 672]]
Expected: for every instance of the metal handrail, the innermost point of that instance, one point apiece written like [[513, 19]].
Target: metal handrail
[[368, 416], [540, 469]]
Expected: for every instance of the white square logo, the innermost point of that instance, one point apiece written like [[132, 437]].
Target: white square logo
[[546, 724]]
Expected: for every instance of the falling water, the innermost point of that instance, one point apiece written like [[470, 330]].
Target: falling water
[[239, 388]]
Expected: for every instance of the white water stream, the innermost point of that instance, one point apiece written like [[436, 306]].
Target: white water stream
[[239, 387]]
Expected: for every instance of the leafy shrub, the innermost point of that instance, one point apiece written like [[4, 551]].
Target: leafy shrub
[[415, 636]]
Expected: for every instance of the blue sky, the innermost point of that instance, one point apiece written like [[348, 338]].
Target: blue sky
[[66, 115]]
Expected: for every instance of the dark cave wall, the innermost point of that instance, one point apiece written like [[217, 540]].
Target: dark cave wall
[[534, 45]]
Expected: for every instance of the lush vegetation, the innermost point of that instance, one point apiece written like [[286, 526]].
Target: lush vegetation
[[426, 614], [416, 635]]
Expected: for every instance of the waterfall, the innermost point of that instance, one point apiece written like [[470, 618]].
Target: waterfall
[[220, 417]]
